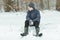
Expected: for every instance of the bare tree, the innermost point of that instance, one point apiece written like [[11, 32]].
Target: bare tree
[[17, 5], [7, 8], [41, 4], [48, 4], [58, 5]]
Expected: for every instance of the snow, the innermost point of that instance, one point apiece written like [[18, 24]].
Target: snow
[[12, 25]]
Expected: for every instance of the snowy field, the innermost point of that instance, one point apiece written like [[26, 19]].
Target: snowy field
[[12, 25]]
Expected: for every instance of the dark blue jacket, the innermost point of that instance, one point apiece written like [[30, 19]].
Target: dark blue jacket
[[33, 15]]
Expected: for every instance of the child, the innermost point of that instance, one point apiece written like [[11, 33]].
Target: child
[[34, 15]]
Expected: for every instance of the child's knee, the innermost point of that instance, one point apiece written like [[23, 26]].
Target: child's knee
[[36, 24], [26, 23]]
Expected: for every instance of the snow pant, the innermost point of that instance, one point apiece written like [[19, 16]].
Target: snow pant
[[35, 23]]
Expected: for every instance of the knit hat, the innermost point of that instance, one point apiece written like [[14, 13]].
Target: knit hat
[[31, 5]]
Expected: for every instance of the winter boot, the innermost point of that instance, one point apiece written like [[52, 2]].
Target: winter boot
[[25, 32], [37, 32]]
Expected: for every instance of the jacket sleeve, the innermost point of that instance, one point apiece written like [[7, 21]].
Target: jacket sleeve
[[27, 17], [38, 16]]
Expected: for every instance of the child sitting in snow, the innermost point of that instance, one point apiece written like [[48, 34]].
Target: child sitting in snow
[[33, 15]]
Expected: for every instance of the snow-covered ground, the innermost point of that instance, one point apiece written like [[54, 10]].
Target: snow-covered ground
[[12, 25]]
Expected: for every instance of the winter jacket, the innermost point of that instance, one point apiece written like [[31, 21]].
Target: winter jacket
[[33, 15]]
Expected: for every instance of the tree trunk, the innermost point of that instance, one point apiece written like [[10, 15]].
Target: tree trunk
[[41, 4], [7, 8], [58, 5]]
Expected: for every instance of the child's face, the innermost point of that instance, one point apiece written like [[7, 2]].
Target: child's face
[[30, 8]]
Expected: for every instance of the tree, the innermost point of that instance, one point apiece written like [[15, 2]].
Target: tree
[[7, 3], [41, 3], [58, 5]]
